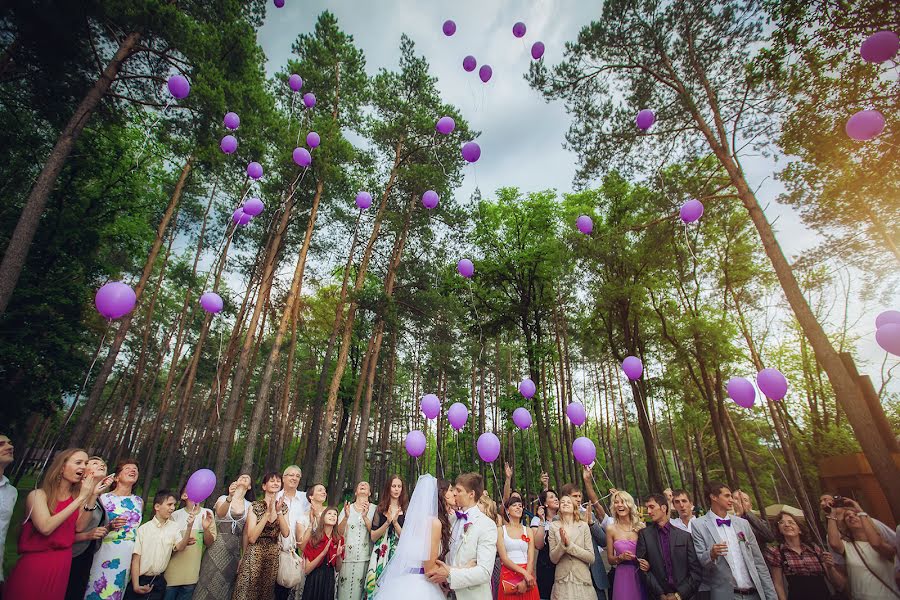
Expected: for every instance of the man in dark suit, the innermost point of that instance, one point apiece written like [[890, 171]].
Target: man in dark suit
[[669, 564]]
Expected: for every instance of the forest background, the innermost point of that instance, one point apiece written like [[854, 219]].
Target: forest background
[[337, 320]]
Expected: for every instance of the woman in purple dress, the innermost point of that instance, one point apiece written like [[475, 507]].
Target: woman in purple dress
[[621, 543]]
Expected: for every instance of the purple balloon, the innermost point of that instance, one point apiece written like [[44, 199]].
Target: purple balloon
[[211, 302], [313, 140], [295, 82], [302, 157], [445, 125], [527, 388], [309, 100], [485, 72], [415, 443], [430, 199], [449, 28], [585, 224], [200, 485], [465, 268], [633, 367], [179, 86], [471, 152], [458, 415], [645, 119], [488, 446], [431, 406], [228, 144], [519, 29], [888, 316], [363, 200], [888, 337], [279, 3], [880, 46], [691, 211], [253, 206], [537, 50], [469, 63], [772, 383], [240, 217], [584, 450], [522, 418], [232, 120], [741, 391], [114, 300], [254, 170], [576, 413], [865, 125]]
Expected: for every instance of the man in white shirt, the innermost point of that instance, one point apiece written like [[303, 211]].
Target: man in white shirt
[[684, 508], [8, 494], [298, 519], [733, 566]]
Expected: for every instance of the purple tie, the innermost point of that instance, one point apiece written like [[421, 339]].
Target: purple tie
[[462, 515], [725, 522]]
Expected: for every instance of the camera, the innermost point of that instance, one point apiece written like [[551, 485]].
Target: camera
[[840, 502]]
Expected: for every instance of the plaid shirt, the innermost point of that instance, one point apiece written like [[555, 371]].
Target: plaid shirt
[[807, 562]]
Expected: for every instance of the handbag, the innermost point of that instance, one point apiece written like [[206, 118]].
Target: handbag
[[290, 564]]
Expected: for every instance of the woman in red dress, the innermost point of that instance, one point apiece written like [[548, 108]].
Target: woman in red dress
[[54, 513]]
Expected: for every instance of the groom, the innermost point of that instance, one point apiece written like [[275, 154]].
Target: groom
[[473, 545]]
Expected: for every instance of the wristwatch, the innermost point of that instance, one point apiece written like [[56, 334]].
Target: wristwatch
[[862, 514], [89, 508]]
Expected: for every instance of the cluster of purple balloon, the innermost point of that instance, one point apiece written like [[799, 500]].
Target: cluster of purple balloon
[[114, 300], [295, 82], [887, 331], [430, 405], [229, 143], [771, 383], [879, 47], [252, 206]]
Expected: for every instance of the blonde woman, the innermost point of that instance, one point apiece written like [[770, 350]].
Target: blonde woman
[[54, 515], [572, 553], [621, 544]]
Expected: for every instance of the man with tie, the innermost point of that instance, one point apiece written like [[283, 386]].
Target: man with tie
[[733, 567], [669, 565]]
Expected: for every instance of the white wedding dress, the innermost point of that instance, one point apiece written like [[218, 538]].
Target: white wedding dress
[[404, 576]]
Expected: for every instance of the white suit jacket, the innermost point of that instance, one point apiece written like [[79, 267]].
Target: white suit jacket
[[478, 542], [717, 577]]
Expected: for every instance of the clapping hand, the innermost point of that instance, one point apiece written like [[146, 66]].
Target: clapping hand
[[564, 536], [279, 506]]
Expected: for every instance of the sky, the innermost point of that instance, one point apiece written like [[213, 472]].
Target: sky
[[522, 135]]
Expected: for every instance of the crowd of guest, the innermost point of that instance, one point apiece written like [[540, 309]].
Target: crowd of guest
[[83, 539]]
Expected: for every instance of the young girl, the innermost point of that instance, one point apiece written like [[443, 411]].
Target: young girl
[[324, 553], [266, 520], [621, 544], [516, 550], [54, 515]]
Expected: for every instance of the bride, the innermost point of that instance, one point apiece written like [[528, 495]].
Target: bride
[[425, 539]]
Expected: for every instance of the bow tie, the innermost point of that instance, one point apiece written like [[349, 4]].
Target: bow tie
[[725, 522], [462, 515]]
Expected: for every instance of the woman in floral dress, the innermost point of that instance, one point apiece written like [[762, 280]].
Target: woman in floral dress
[[109, 573], [386, 528], [356, 522]]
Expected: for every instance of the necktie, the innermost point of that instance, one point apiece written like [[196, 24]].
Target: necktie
[[725, 522], [462, 515]]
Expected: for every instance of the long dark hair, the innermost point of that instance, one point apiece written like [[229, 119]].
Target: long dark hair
[[384, 502], [443, 486], [319, 532]]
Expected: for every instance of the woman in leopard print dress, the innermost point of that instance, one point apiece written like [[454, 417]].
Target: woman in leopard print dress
[[259, 565]]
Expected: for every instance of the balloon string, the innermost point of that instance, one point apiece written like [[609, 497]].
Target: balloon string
[[147, 131], [291, 111], [688, 242], [458, 467], [72, 408], [496, 482], [219, 373], [477, 320]]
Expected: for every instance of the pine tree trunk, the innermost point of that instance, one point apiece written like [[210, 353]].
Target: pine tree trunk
[[350, 449], [265, 386], [328, 422], [87, 412], [241, 369], [17, 250]]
